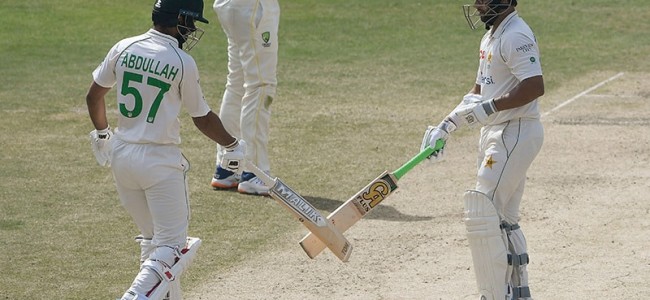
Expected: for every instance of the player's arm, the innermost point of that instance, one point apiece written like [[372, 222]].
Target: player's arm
[[476, 89], [202, 116], [525, 65], [102, 134], [234, 149], [211, 126], [96, 105], [525, 92]]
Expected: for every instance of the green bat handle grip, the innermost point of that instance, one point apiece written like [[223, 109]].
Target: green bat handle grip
[[418, 159]]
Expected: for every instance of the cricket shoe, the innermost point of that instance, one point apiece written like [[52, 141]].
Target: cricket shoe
[[224, 179], [252, 185]]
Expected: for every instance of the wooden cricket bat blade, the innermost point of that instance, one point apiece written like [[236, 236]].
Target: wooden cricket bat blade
[[353, 210], [366, 200], [307, 214]]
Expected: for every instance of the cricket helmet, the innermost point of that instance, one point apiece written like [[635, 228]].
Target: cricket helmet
[[181, 14], [167, 11], [488, 12]]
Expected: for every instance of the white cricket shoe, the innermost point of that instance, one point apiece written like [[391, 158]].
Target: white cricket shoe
[[253, 186], [224, 179]]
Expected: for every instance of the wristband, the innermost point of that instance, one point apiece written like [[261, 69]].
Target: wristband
[[447, 125], [232, 145], [103, 133], [489, 107]]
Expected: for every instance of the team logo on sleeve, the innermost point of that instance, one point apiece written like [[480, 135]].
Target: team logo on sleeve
[[266, 36]]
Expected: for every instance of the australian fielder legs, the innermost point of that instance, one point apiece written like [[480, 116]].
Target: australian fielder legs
[[251, 27]]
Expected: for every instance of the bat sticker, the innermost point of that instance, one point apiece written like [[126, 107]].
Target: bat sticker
[[374, 194]]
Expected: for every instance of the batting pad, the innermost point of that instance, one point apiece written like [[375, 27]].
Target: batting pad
[[171, 280], [488, 246]]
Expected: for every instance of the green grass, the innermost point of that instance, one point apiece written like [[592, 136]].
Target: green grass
[[358, 83]]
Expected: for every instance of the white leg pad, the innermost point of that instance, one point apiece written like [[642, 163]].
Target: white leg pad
[[488, 245], [175, 292], [519, 261], [133, 296], [171, 278]]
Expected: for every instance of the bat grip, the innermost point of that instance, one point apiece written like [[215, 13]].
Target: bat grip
[[418, 159]]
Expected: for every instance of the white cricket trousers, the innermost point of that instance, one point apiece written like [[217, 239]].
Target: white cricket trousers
[[152, 184], [505, 153], [251, 27]]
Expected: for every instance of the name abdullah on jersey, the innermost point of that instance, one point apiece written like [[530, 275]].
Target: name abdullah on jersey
[[149, 65]]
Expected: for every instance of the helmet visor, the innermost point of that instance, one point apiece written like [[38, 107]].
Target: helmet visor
[[485, 11], [190, 34]]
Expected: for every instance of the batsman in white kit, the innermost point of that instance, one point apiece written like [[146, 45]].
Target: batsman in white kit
[[504, 102], [156, 78]]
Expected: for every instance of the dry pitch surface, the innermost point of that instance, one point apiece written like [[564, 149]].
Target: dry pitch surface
[[585, 213]]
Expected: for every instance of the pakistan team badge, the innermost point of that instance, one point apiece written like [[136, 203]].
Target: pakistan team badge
[[266, 36]]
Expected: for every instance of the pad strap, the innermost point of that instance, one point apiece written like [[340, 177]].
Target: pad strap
[[161, 268], [509, 227], [521, 292], [514, 260], [518, 260]]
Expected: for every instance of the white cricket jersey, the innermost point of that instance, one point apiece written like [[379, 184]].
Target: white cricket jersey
[[507, 56], [154, 79]]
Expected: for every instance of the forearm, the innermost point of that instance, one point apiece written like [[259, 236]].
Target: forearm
[[476, 89], [96, 106], [525, 92], [210, 125]]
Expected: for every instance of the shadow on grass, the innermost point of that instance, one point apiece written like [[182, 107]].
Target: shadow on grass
[[381, 212]]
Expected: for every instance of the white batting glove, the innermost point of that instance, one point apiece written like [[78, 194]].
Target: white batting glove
[[233, 156], [472, 98], [472, 114], [100, 144], [432, 135]]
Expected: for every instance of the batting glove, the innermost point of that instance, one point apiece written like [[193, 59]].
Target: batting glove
[[233, 156], [473, 113], [431, 136], [100, 144], [472, 98]]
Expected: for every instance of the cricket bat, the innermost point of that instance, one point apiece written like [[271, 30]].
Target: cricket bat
[[322, 230], [365, 201]]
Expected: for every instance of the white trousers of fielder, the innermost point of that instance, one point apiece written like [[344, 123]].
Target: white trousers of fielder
[[251, 27]]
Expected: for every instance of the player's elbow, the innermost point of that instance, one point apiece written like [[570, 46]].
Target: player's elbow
[[202, 123]]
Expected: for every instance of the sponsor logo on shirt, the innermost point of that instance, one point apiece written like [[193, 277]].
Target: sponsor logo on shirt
[[487, 80], [525, 48]]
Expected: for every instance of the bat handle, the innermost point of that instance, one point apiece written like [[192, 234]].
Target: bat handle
[[418, 158], [268, 180]]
